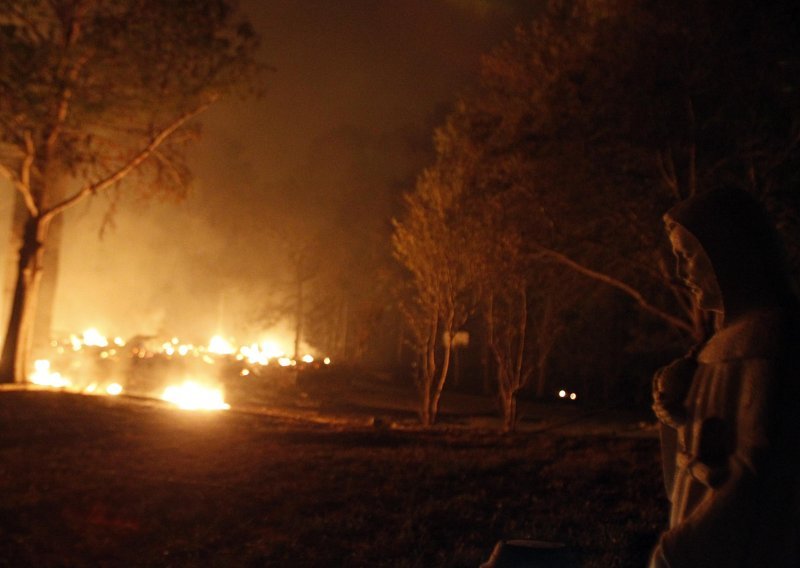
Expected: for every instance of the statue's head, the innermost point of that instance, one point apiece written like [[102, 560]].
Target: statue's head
[[694, 268], [728, 251]]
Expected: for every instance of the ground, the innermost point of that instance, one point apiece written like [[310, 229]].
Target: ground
[[105, 481]]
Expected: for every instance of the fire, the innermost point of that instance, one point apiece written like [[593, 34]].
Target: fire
[[43, 377], [220, 346], [194, 396], [94, 338]]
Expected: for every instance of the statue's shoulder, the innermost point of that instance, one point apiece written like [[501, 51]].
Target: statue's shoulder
[[757, 334]]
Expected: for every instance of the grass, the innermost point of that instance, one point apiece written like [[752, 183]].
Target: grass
[[100, 481]]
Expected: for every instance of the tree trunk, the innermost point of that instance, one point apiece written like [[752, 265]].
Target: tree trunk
[[45, 302], [510, 412], [19, 217], [298, 330], [19, 334], [448, 350]]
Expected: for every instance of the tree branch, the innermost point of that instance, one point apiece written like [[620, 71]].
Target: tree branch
[[129, 166], [619, 285]]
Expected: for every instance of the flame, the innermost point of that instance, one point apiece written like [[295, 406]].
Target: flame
[[260, 354], [220, 346], [194, 396], [94, 338], [42, 376]]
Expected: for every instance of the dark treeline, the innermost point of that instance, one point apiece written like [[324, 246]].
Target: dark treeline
[[538, 227]]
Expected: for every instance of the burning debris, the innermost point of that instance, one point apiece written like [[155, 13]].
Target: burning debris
[[91, 363], [194, 396]]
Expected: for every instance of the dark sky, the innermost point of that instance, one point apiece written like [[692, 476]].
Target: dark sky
[[345, 124]]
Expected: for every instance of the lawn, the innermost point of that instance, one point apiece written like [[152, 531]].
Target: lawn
[[103, 481]]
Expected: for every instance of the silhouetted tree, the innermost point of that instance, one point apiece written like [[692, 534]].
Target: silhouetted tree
[[92, 92]]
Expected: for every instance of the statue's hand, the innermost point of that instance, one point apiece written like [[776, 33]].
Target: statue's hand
[[670, 387]]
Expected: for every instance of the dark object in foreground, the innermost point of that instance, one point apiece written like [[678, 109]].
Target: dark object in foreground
[[531, 554]]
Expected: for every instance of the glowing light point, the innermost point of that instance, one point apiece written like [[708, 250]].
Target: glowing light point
[[284, 361], [562, 393], [245, 372], [573, 396], [307, 359], [114, 389], [327, 360]]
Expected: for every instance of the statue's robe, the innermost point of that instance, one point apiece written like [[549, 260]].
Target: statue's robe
[[733, 481]]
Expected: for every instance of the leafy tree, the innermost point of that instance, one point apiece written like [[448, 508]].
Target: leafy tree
[[93, 92], [609, 111], [433, 242]]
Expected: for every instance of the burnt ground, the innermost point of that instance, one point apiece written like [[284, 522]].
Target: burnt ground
[[102, 481]]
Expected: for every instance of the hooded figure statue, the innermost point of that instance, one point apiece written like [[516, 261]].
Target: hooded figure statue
[[733, 404]]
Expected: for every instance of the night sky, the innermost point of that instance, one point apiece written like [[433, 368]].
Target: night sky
[[345, 125]]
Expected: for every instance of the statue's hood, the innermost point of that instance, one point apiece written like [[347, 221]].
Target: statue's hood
[[741, 244]]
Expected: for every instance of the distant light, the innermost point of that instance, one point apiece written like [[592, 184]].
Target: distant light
[[91, 388], [562, 393], [114, 389], [284, 361], [573, 396], [119, 342], [308, 359], [327, 360], [245, 372]]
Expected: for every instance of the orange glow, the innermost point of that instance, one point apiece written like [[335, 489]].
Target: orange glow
[[220, 346], [193, 396], [43, 377]]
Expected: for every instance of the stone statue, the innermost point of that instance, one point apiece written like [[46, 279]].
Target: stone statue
[[730, 409]]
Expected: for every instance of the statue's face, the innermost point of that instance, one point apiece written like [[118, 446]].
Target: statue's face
[[694, 268]]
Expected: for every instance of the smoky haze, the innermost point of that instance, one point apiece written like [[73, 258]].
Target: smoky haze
[[344, 127]]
